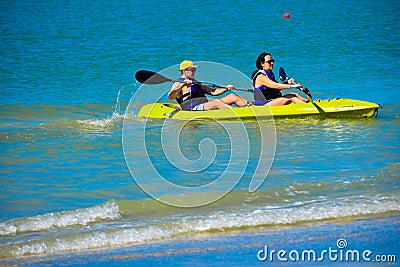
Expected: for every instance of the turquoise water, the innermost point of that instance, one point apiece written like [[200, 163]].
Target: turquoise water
[[67, 76]]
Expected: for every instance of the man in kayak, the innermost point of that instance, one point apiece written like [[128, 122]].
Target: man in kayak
[[191, 95], [267, 91]]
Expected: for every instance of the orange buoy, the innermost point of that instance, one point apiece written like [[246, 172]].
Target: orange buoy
[[286, 15]]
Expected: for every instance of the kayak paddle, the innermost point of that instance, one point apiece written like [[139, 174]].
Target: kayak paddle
[[150, 77], [284, 79]]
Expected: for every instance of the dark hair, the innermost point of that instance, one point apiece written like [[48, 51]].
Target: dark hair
[[260, 59]]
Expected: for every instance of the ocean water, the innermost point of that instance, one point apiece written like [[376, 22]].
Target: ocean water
[[69, 136]]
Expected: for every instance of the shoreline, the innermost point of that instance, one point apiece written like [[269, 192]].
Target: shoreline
[[377, 234]]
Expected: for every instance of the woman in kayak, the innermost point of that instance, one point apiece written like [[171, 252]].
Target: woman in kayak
[[191, 95], [267, 91]]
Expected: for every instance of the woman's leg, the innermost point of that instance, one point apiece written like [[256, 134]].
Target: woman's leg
[[296, 98], [279, 101]]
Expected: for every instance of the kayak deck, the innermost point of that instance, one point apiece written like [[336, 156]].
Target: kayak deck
[[340, 107]]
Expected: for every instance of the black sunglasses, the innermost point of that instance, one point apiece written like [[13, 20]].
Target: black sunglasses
[[270, 61], [193, 69]]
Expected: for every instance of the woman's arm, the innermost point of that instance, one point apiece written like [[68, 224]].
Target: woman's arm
[[264, 80]]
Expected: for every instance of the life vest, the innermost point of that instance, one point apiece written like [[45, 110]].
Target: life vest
[[194, 97], [263, 94]]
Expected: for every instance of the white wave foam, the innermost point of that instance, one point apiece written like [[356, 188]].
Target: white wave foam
[[287, 216], [102, 123], [219, 221], [108, 210]]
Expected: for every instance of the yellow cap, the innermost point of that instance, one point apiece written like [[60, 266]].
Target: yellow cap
[[187, 64]]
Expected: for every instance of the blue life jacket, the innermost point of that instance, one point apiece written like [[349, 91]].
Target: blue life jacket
[[194, 97], [263, 94]]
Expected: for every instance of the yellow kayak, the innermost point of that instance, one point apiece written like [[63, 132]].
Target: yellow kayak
[[335, 108]]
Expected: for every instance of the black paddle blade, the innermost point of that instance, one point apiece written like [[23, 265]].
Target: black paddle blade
[[307, 92], [150, 77], [282, 74]]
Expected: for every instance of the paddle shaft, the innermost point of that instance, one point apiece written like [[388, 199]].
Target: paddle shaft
[[150, 77], [283, 77], [306, 92]]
